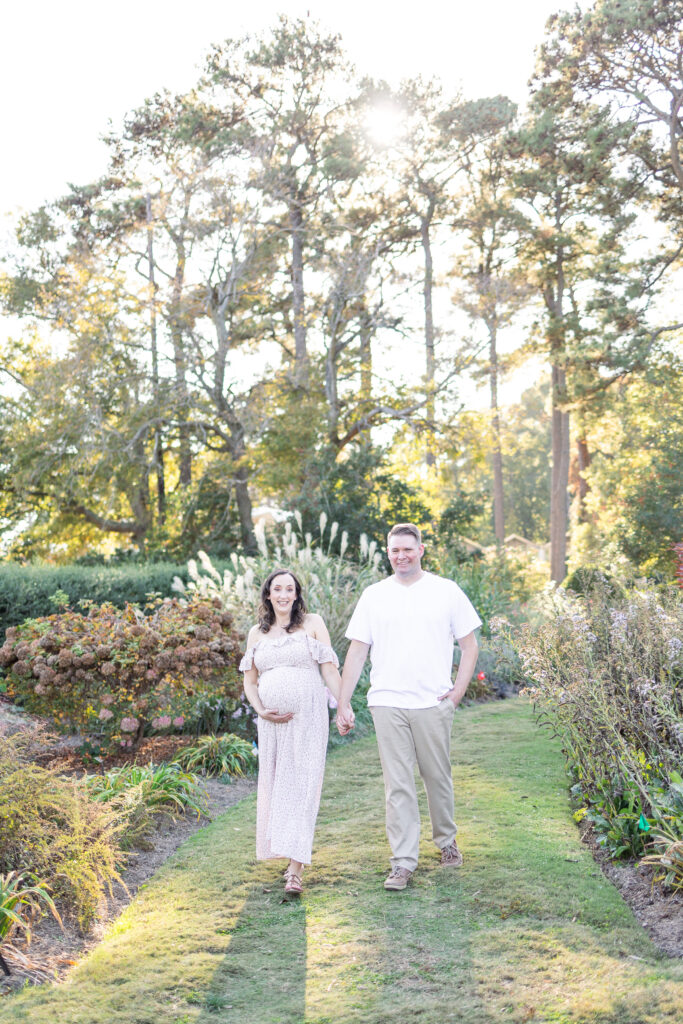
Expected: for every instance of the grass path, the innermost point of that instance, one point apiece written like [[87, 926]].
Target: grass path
[[527, 930]]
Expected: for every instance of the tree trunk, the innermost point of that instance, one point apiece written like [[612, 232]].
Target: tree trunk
[[366, 370], [298, 295], [180, 362], [244, 509], [429, 323], [496, 453], [218, 307], [583, 462], [331, 392], [158, 437], [559, 478]]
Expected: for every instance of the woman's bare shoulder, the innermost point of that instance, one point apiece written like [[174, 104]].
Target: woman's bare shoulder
[[253, 636], [315, 625]]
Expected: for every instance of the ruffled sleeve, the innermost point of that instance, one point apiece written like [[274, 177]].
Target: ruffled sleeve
[[321, 652], [247, 661]]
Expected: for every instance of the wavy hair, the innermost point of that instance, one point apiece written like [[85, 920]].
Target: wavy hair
[[266, 612]]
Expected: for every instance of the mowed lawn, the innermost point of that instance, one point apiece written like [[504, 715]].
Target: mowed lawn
[[527, 930]]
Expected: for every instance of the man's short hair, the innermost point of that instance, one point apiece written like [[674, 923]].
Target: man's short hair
[[405, 528]]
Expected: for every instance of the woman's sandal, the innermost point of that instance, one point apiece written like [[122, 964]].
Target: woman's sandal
[[293, 885]]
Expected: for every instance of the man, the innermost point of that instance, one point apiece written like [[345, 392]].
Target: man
[[408, 622]]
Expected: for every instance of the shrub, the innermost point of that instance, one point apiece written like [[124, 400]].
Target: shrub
[[51, 830], [496, 586], [332, 584], [219, 755], [606, 673], [26, 592], [115, 674], [210, 714]]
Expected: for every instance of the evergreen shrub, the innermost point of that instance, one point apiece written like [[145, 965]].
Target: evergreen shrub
[[27, 592]]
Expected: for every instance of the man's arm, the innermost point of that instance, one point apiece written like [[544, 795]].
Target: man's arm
[[468, 659], [353, 666]]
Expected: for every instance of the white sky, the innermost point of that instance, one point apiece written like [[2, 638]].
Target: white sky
[[68, 67]]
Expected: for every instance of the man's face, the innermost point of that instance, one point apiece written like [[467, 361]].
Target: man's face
[[404, 554]]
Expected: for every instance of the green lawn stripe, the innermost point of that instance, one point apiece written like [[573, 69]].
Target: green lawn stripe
[[527, 930]]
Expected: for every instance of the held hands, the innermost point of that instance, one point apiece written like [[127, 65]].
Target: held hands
[[277, 717], [345, 719]]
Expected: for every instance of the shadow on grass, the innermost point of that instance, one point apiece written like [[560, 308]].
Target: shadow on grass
[[263, 975]]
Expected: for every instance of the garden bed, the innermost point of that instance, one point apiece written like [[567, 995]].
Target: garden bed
[[660, 913], [52, 953]]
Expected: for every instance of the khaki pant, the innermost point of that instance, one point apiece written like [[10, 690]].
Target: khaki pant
[[406, 738]]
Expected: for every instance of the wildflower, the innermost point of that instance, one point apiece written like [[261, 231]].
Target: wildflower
[[481, 676], [129, 724], [107, 698], [105, 714], [162, 722], [179, 722]]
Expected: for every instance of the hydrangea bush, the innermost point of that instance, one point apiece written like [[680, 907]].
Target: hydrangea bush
[[116, 674]]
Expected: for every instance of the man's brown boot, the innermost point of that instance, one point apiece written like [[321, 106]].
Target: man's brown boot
[[451, 855], [398, 879]]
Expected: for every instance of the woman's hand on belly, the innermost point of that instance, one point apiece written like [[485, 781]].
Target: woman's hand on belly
[[271, 715]]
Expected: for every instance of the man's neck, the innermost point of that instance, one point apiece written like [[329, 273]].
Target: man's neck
[[407, 581]]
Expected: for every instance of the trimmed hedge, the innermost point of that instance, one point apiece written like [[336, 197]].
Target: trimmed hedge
[[25, 591]]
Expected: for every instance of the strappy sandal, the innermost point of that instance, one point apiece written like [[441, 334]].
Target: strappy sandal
[[293, 886]]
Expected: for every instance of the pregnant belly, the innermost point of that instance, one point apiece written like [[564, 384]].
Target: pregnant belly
[[285, 690]]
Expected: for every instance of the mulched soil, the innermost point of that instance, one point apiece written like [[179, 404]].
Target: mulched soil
[[659, 912]]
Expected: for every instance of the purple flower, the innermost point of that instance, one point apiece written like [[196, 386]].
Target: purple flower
[[129, 724], [179, 722], [105, 714]]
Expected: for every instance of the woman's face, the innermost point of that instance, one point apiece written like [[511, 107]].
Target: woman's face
[[282, 594]]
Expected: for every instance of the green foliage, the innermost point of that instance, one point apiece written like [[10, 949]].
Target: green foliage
[[500, 584], [20, 904], [219, 755], [162, 789], [331, 583], [29, 592], [360, 494], [606, 671], [668, 857], [51, 830], [112, 674], [636, 475]]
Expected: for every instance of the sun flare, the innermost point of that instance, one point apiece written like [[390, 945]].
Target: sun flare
[[385, 124]]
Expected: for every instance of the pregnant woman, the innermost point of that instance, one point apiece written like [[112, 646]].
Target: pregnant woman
[[288, 657]]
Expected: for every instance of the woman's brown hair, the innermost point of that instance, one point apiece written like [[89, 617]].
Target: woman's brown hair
[[266, 612]]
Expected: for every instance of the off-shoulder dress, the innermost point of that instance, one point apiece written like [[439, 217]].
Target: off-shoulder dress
[[291, 754]]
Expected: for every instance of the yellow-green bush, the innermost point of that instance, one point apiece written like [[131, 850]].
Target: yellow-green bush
[[50, 829]]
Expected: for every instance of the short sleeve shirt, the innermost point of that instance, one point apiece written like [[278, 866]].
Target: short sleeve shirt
[[411, 630]]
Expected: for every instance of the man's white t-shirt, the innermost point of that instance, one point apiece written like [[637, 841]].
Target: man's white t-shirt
[[411, 631]]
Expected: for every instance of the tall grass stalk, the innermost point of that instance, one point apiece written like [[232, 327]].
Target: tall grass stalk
[[332, 583]]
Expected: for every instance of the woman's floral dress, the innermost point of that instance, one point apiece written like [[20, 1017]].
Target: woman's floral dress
[[291, 754]]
